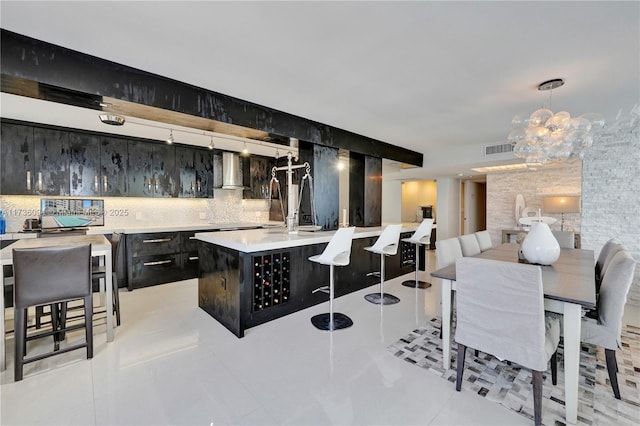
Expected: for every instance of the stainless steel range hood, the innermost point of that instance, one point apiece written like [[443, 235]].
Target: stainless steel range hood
[[231, 172]]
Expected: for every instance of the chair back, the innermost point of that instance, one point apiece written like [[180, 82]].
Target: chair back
[[615, 249], [604, 252], [500, 310], [613, 296], [116, 254], [338, 251], [387, 242], [423, 233], [565, 239], [469, 245], [51, 274], [484, 240], [447, 251]]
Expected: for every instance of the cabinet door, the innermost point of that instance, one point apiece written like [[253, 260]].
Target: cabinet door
[[259, 177], [51, 151], [16, 159], [84, 164], [140, 179], [113, 165], [164, 171], [204, 173], [186, 169]]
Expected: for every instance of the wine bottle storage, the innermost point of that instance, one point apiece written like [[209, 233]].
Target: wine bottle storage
[[271, 280], [407, 251]]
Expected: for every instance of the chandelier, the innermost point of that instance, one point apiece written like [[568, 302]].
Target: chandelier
[[547, 137]]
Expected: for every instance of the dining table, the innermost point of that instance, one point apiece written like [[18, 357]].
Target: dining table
[[100, 247], [568, 286]]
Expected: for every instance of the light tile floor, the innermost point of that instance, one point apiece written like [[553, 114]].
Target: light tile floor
[[171, 363]]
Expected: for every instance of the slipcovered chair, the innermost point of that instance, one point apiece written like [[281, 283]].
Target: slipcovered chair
[[613, 250], [565, 239], [469, 245], [385, 245], [500, 311], [51, 276], [337, 253], [447, 251], [606, 329], [604, 253], [484, 240], [421, 237]]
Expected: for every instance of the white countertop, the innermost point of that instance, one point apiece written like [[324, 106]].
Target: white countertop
[[254, 240]]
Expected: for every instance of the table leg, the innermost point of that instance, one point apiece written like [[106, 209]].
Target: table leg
[[3, 358], [109, 293], [572, 324], [446, 324]]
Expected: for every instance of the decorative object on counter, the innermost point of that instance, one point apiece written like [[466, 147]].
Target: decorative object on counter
[[562, 205], [544, 136], [540, 246], [292, 211]]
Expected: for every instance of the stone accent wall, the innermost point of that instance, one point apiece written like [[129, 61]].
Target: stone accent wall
[[611, 195], [534, 185]]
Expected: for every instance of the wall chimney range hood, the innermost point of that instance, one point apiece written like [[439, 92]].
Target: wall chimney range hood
[[231, 173]]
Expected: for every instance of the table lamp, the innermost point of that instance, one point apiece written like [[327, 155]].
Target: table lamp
[[562, 205]]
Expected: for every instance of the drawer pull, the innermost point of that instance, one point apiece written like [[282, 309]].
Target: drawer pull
[[96, 187], [158, 262], [157, 240], [193, 258], [105, 184], [28, 180], [192, 238]]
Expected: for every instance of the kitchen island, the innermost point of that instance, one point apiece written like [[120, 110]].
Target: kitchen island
[[249, 277]]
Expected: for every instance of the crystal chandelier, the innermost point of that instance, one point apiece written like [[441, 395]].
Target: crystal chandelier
[[547, 137]]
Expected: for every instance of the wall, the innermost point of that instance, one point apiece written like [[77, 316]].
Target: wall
[[391, 199], [534, 185], [611, 195], [416, 194], [448, 214], [126, 212]]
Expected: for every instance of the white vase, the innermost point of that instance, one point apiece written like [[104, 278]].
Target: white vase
[[540, 246]]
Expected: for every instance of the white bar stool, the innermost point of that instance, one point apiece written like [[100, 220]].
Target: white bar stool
[[420, 238], [386, 245], [337, 253]]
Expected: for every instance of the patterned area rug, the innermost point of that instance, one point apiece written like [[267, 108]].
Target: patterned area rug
[[511, 385]]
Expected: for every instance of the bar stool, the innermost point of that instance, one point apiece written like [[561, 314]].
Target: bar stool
[[51, 275], [337, 253], [421, 237], [386, 245]]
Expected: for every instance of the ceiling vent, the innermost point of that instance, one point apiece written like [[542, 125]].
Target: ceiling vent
[[498, 149]]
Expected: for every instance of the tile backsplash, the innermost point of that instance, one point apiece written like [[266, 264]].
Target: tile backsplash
[[122, 212]]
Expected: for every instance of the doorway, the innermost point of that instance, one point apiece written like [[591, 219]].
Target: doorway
[[473, 215]]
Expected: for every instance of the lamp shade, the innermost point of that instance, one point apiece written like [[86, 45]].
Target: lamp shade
[[561, 204]]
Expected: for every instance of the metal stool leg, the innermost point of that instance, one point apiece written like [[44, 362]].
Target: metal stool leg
[[417, 283], [331, 321], [382, 298]]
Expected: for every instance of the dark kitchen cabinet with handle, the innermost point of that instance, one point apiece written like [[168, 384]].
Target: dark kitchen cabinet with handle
[[257, 177], [195, 171], [84, 166], [16, 159], [34, 160], [113, 166], [153, 258], [151, 170]]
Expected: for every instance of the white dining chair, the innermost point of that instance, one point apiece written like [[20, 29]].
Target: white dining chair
[[565, 239], [469, 245], [500, 311], [484, 240]]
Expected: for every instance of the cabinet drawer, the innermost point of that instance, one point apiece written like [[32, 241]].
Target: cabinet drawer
[[156, 269], [153, 243]]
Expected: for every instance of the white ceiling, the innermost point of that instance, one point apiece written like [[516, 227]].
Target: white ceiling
[[441, 78]]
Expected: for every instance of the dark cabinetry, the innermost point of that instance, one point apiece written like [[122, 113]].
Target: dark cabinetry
[[34, 160], [195, 172], [151, 170], [257, 176], [84, 165], [153, 258]]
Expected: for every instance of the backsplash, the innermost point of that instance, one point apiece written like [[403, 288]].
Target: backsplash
[[124, 212]]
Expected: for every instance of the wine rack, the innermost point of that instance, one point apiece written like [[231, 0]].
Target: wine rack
[[271, 280], [407, 251]]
